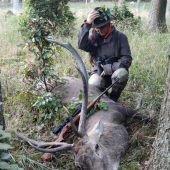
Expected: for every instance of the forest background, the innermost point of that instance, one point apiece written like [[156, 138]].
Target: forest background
[[147, 78]]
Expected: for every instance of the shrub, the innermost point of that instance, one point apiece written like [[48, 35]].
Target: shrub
[[125, 17], [40, 20], [122, 16]]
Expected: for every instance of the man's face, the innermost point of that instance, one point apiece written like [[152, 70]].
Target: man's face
[[103, 29]]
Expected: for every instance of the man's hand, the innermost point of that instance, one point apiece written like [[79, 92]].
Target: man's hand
[[92, 16], [103, 73]]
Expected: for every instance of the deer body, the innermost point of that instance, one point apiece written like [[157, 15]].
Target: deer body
[[106, 142]]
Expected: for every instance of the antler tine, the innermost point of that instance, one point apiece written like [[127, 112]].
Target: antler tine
[[72, 123], [82, 122], [62, 148], [37, 145], [27, 139], [69, 47]]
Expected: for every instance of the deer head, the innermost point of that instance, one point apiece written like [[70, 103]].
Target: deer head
[[90, 153]]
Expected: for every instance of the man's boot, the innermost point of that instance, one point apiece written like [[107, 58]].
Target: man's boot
[[117, 89], [116, 92]]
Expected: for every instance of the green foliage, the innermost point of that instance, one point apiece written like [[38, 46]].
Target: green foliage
[[40, 20], [105, 13], [122, 16], [7, 166], [4, 135], [81, 94], [71, 106], [101, 105], [130, 166], [48, 103], [42, 16], [93, 110], [5, 156], [48, 100]]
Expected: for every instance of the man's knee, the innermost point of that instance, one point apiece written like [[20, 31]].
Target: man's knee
[[95, 80], [121, 73]]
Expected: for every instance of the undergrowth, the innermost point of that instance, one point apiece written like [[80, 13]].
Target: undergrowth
[[147, 78]]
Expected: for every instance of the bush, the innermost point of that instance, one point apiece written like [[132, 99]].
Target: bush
[[125, 18], [40, 20], [122, 16], [55, 15]]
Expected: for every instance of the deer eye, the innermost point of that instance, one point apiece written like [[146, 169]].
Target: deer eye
[[96, 147]]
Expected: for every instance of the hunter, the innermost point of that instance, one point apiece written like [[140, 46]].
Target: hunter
[[110, 54]]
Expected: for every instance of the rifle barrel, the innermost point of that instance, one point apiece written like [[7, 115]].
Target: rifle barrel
[[109, 87]]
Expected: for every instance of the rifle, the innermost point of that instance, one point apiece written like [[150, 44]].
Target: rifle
[[76, 119], [60, 127]]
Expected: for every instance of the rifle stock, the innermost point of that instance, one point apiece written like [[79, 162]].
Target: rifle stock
[[75, 120]]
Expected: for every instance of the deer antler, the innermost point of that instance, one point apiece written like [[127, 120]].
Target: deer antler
[[83, 74], [82, 121], [69, 47], [39, 145]]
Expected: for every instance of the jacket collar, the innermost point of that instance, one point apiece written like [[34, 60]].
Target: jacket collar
[[109, 37]]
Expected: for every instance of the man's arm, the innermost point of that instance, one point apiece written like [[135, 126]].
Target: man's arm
[[83, 42], [125, 58], [125, 54], [83, 36]]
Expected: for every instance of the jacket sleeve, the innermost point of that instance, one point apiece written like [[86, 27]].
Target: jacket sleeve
[[83, 42], [125, 58]]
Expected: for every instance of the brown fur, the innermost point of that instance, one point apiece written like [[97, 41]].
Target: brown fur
[[105, 144]]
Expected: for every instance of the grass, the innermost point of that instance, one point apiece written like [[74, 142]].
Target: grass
[[5, 5], [147, 77]]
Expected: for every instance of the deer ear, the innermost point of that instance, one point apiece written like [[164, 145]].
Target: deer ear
[[97, 130]]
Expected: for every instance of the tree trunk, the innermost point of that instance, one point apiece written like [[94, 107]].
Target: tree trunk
[[15, 6], [2, 120], [23, 5], [156, 19], [138, 6], [120, 3], [168, 7], [160, 156]]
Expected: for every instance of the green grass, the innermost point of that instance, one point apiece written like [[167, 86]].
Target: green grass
[[147, 77], [5, 5]]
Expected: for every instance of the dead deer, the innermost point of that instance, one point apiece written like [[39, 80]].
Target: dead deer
[[102, 138]]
